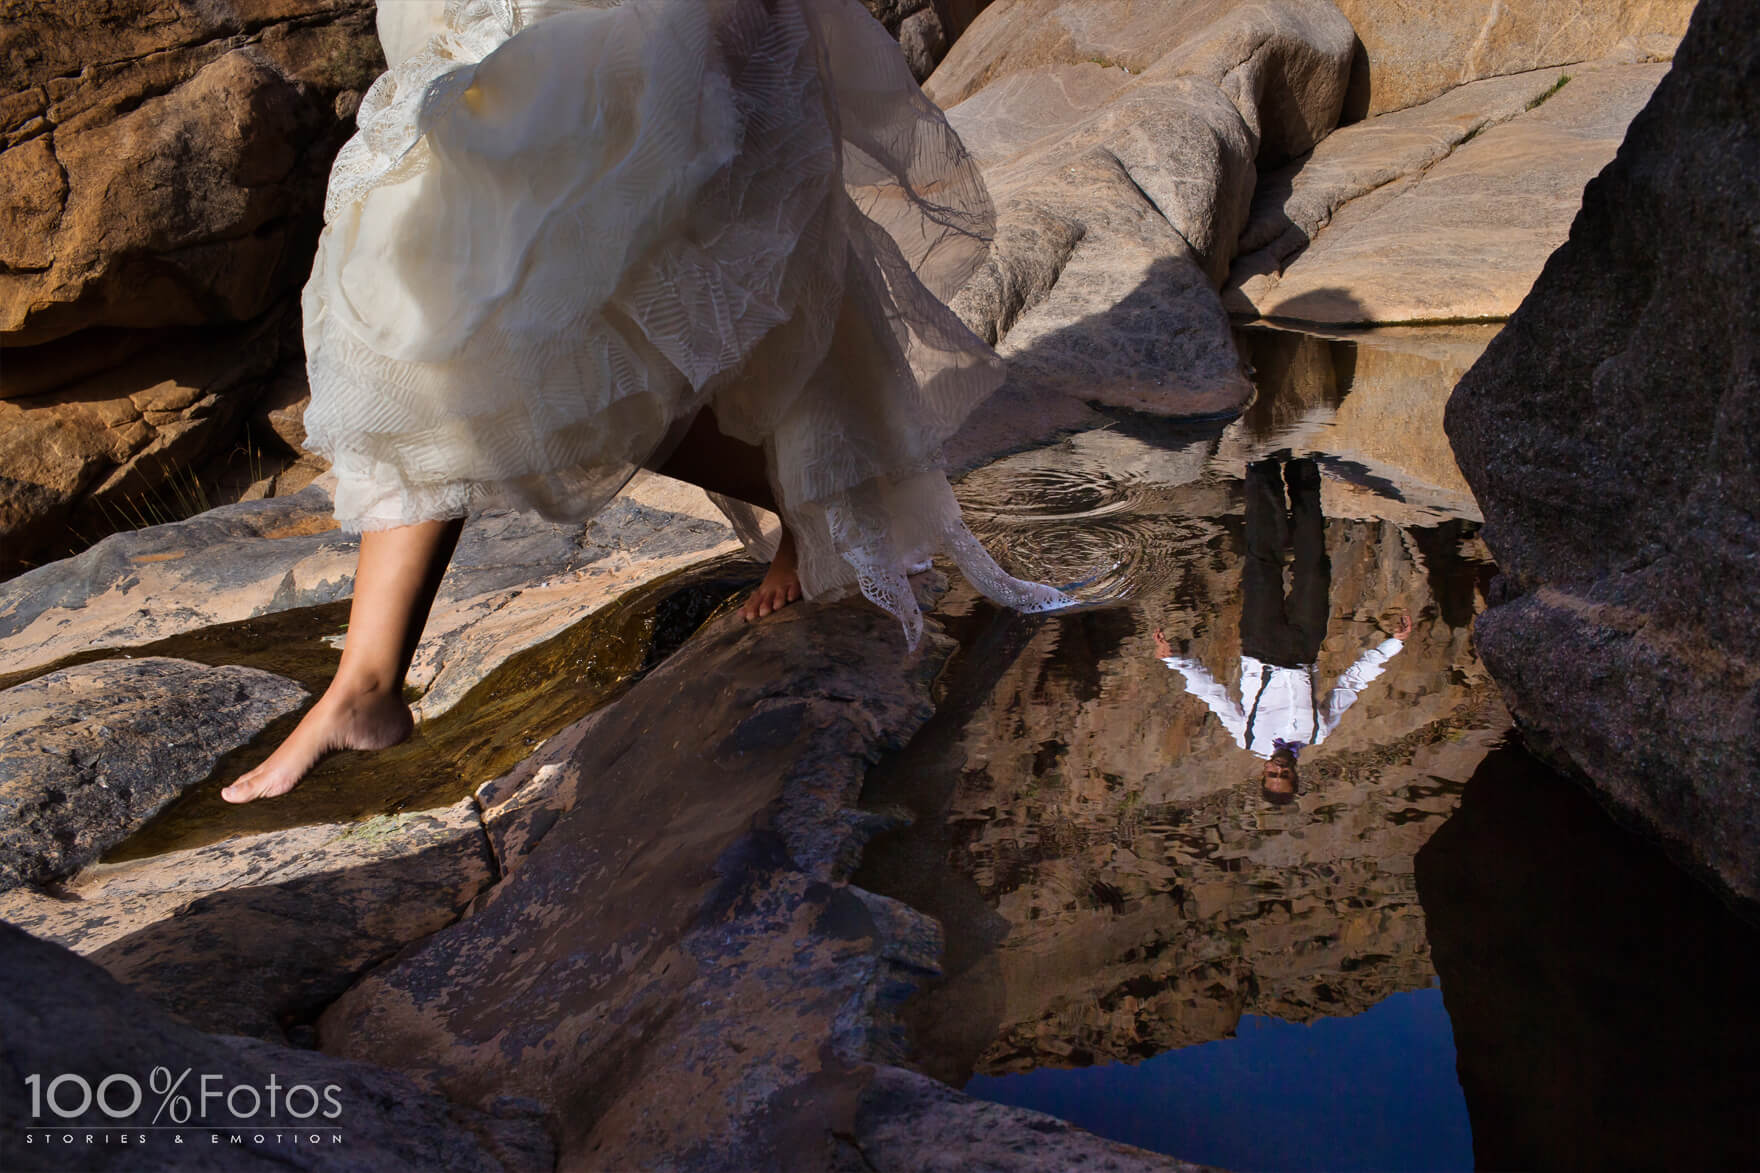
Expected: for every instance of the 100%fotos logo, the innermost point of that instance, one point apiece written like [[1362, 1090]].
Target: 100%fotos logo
[[119, 1097]]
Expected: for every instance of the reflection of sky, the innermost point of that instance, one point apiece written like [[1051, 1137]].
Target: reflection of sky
[[1376, 1091]]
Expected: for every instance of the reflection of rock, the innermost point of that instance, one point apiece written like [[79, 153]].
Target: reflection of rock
[[516, 580], [66, 1016], [244, 935], [1094, 841], [1452, 207], [91, 752], [1371, 402], [1603, 1004], [910, 1124], [1413, 52], [1119, 142], [1608, 433]]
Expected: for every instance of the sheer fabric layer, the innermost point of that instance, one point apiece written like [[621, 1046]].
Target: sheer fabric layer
[[563, 226]]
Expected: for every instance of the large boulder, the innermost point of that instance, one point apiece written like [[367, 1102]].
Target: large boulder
[[89, 753], [672, 964], [68, 1021], [167, 165], [1120, 142], [162, 171], [257, 933], [1444, 212], [1412, 52], [1609, 432]]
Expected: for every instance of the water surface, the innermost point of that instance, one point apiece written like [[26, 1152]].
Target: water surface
[[1139, 939]]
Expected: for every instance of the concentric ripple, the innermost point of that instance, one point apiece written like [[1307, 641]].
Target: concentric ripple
[[1099, 559], [1042, 492]]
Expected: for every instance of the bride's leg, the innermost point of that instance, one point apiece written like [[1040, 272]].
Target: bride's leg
[[397, 576], [712, 460]]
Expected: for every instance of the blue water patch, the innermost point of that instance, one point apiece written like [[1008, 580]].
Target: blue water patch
[[1374, 1092]]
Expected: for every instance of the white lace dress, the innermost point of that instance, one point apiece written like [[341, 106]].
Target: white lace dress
[[565, 225]]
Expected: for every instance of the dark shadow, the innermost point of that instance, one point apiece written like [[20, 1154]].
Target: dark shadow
[[1602, 1000], [1356, 94]]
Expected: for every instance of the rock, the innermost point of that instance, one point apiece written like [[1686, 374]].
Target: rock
[[1528, 891], [918, 26], [1440, 213], [66, 1017], [124, 446], [179, 180], [515, 580], [245, 936], [1412, 53], [91, 752], [1609, 434], [673, 964], [908, 1122], [1120, 143], [162, 174]]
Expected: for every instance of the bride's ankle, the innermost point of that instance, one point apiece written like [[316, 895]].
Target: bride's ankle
[[361, 688]]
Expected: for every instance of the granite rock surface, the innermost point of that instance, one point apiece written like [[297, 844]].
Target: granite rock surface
[[1609, 432], [89, 753]]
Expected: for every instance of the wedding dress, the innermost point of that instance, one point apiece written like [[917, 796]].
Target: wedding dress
[[563, 226]]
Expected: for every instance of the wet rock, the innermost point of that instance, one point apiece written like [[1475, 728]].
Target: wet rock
[[143, 585], [515, 581], [91, 752], [65, 1016], [673, 965], [1609, 434], [1445, 212], [910, 1122], [1412, 53], [1120, 143], [251, 934]]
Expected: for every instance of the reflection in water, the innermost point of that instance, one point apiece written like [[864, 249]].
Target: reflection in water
[[1138, 941], [1278, 714], [1369, 1085], [1603, 1001], [1090, 827]]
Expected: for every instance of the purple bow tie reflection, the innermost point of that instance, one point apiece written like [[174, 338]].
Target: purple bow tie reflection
[[1294, 747]]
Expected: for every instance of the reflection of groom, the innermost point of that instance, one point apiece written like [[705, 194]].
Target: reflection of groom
[[1279, 714]]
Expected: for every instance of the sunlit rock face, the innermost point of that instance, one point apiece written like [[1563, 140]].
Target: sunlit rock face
[[1120, 142], [1609, 434], [1112, 881], [1413, 52], [1441, 213], [162, 172]]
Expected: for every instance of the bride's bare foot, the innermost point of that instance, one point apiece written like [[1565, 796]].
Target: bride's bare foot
[[781, 586], [343, 718]]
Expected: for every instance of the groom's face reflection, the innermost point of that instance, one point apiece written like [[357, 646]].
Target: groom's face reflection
[[1279, 778]]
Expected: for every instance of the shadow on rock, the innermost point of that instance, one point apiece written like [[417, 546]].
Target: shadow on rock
[[1602, 1002]]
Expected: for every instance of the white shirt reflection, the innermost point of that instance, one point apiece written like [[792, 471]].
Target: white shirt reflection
[[1280, 704]]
